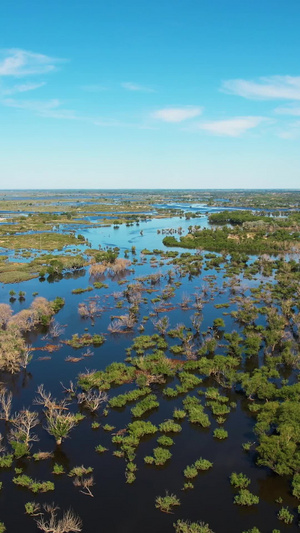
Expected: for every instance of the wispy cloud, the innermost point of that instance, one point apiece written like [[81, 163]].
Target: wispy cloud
[[94, 88], [293, 110], [232, 127], [291, 131], [177, 114], [130, 86], [47, 109], [269, 88], [23, 88], [54, 109], [18, 63]]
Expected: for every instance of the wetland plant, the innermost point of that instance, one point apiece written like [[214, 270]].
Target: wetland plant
[[50, 523], [285, 515], [239, 481], [220, 433], [167, 502], [245, 497], [183, 526]]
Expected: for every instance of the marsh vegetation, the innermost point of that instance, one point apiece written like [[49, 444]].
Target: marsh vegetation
[[183, 395]]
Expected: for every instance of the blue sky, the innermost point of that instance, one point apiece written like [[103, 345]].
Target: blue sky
[[162, 94]]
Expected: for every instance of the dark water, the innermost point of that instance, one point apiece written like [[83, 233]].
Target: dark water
[[117, 506]]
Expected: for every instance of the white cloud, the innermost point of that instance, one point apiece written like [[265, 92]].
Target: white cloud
[[268, 88], [130, 86], [232, 127], [288, 110], [16, 62], [53, 109], [22, 88], [47, 109], [177, 114]]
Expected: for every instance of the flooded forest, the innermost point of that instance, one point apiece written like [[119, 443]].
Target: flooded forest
[[149, 360]]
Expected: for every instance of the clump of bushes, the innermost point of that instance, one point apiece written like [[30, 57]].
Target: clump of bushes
[[245, 497], [183, 526], [166, 503], [31, 484], [86, 339], [159, 458], [148, 403]]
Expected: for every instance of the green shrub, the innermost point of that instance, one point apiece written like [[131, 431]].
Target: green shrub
[[100, 448], [31, 484], [6, 461], [183, 526], [245, 497], [165, 441], [131, 396], [32, 508], [239, 481], [220, 433], [58, 469], [285, 515], [147, 404], [166, 503], [190, 472], [179, 414], [169, 426], [203, 464]]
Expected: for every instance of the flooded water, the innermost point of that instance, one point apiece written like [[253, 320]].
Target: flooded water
[[118, 507]]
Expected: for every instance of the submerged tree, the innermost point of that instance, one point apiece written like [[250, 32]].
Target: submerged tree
[[67, 524]]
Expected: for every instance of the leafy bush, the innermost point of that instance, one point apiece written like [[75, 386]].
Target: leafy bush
[[148, 403], [190, 472], [6, 460], [183, 526], [165, 441], [100, 448], [285, 515], [203, 464], [31, 484], [166, 503], [58, 469], [169, 426], [245, 497], [239, 481], [220, 433]]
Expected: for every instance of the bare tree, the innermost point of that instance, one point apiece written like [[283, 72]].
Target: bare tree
[[5, 403], [198, 301], [5, 314], [162, 324], [196, 322], [55, 329], [69, 390], [26, 357], [85, 483], [89, 310], [59, 423], [67, 524], [51, 404], [122, 323], [92, 399], [188, 348], [185, 300], [88, 353], [23, 423]]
